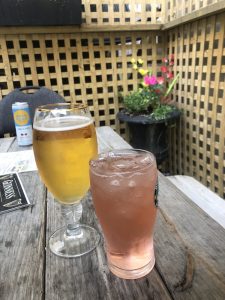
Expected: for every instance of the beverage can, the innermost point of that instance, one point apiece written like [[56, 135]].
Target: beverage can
[[22, 119]]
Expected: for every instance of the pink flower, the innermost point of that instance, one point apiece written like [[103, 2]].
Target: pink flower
[[172, 57], [171, 63], [165, 60], [160, 80], [164, 69], [150, 80], [169, 75]]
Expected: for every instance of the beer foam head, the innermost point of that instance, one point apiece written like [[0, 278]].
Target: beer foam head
[[62, 123]]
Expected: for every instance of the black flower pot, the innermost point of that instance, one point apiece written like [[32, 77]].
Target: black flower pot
[[149, 134]]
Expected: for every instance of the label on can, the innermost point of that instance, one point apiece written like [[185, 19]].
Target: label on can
[[22, 121]]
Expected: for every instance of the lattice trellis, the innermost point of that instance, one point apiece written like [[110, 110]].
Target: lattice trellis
[[200, 145], [86, 67], [176, 8], [113, 12]]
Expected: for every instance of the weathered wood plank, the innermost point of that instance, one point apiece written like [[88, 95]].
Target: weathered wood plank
[[210, 202], [109, 140], [5, 144], [22, 244], [79, 29], [10, 144], [190, 247]]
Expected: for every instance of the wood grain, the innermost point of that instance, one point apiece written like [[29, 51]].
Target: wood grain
[[109, 140], [208, 201], [190, 247], [22, 252], [6, 144]]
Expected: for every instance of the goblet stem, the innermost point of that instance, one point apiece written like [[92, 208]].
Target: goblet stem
[[72, 214], [75, 239]]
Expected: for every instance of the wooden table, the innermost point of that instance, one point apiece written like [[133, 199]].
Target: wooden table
[[189, 247]]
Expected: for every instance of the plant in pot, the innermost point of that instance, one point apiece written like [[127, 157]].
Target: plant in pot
[[148, 110]]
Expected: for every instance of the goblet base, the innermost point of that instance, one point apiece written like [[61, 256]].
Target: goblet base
[[84, 240]]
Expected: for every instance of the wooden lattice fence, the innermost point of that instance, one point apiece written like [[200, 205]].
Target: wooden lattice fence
[[84, 67], [175, 9], [200, 144], [127, 12]]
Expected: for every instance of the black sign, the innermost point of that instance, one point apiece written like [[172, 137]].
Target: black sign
[[12, 194], [40, 12]]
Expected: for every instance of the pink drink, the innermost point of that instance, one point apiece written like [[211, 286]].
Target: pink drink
[[123, 189]]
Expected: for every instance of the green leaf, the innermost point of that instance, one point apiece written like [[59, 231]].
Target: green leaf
[[171, 85]]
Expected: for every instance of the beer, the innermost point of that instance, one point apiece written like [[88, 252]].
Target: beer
[[63, 147], [64, 140], [123, 189]]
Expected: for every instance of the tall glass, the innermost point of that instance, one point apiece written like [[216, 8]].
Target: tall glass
[[64, 141], [123, 185]]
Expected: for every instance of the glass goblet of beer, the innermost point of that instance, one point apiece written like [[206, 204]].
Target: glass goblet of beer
[[123, 186], [64, 140]]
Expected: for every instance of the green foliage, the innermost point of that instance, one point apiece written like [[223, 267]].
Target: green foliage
[[137, 101], [162, 111], [141, 101], [152, 96], [171, 85]]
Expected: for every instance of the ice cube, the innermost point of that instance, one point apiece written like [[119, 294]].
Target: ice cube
[[131, 183], [115, 182]]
